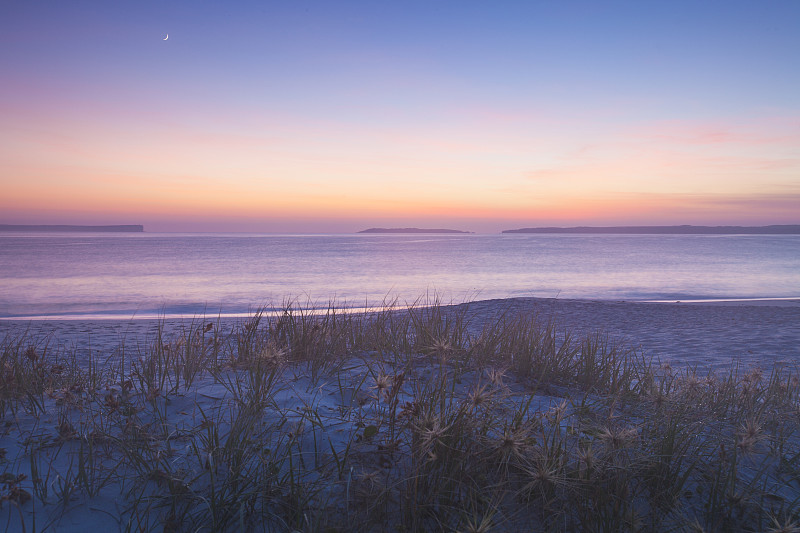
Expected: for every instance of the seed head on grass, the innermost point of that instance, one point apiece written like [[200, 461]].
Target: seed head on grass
[[785, 526], [753, 376], [30, 353], [659, 397], [440, 347], [586, 458], [496, 376], [750, 434], [369, 486], [431, 432], [543, 476], [272, 355], [383, 383], [692, 385], [479, 396], [617, 438], [478, 524], [511, 444], [371, 479], [410, 410], [556, 413]]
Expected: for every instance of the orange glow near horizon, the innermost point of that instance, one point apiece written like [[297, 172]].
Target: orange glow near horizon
[[468, 128], [321, 214], [340, 179]]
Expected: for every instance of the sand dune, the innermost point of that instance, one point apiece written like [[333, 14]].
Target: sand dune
[[469, 414]]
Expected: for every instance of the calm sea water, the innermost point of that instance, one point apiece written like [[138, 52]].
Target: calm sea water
[[141, 275]]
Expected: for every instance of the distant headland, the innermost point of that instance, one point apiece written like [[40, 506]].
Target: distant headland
[[411, 230], [666, 230], [125, 228]]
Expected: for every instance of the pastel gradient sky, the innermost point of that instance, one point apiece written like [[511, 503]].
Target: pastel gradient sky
[[309, 116]]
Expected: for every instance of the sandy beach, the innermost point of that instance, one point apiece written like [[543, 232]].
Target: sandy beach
[[710, 336], [496, 415]]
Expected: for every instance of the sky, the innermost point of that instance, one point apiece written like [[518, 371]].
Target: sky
[[304, 116]]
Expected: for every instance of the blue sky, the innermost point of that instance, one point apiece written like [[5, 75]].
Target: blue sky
[[281, 116]]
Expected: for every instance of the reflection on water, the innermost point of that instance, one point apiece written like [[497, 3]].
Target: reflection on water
[[183, 274]]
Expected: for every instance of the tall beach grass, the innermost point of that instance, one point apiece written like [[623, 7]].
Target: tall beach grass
[[418, 418]]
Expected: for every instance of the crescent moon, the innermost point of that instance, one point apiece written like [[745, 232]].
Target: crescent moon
[[165, 38]]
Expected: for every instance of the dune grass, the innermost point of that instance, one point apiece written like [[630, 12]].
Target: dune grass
[[422, 418]]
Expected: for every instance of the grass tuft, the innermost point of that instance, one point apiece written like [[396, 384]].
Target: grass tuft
[[424, 418]]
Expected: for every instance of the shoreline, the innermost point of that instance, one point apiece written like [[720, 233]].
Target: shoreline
[[782, 301], [707, 334], [789, 301]]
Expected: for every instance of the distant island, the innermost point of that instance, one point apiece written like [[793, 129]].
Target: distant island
[[411, 230], [125, 228], [676, 230]]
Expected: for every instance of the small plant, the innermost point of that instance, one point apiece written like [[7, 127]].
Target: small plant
[[428, 418]]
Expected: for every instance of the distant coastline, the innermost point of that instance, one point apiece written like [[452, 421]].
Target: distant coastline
[[671, 230], [125, 228], [411, 230]]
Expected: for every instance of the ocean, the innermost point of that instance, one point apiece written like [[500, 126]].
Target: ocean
[[146, 275]]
